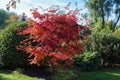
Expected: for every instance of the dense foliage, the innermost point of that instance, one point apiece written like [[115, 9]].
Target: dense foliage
[[108, 45], [4, 15], [87, 61], [12, 19], [117, 31], [102, 10], [64, 74], [9, 55], [52, 38]]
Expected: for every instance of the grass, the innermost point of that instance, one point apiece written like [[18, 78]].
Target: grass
[[7, 75], [107, 74]]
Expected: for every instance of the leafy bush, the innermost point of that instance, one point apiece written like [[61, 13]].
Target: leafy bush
[[9, 55], [18, 71], [64, 74], [117, 31], [5, 15], [108, 46], [107, 29], [87, 61], [50, 40]]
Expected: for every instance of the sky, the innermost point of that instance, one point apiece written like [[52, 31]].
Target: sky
[[26, 5]]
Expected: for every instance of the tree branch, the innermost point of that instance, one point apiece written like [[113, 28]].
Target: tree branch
[[116, 21]]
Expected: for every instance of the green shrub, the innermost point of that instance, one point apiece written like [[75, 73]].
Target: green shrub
[[117, 31], [64, 74], [87, 61], [4, 16], [108, 46], [9, 55], [18, 71]]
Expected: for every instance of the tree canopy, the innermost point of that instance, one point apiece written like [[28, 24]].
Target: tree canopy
[[103, 10], [4, 15]]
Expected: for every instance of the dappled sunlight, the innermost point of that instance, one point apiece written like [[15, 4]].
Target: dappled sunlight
[[105, 74], [8, 75], [114, 74]]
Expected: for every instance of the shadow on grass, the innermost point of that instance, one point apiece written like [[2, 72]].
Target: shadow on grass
[[100, 75], [30, 72], [38, 72], [106, 74]]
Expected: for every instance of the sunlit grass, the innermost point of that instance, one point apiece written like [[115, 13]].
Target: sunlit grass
[[107, 74], [6, 75]]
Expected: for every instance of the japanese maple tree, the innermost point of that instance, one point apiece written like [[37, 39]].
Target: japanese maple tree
[[52, 38]]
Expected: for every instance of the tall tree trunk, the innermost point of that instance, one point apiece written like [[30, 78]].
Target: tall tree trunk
[[102, 15], [103, 22], [116, 21]]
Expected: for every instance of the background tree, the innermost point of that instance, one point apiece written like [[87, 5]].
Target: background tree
[[12, 19], [102, 10], [4, 15]]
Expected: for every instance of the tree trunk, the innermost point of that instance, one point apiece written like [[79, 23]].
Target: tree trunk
[[116, 21], [103, 22], [102, 15]]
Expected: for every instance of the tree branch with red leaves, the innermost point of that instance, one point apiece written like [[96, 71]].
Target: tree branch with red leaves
[[52, 38]]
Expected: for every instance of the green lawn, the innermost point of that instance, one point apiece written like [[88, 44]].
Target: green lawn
[[108, 74], [7, 75]]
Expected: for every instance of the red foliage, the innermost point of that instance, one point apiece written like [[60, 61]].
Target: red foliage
[[51, 38]]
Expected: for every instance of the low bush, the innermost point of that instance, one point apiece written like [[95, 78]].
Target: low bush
[[64, 74], [18, 71], [9, 55], [108, 46], [87, 61], [117, 31]]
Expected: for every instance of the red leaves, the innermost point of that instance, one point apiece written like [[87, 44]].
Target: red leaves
[[53, 9], [35, 14], [54, 39]]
